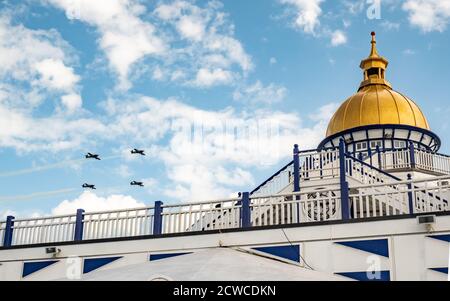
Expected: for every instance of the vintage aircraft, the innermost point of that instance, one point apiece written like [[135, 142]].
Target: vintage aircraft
[[85, 185], [92, 156], [138, 152], [134, 183]]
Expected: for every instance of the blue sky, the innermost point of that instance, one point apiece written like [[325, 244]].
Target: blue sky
[[189, 81]]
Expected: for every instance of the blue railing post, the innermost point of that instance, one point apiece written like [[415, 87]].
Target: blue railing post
[[157, 218], [79, 225], [345, 201], [370, 156], [410, 195], [245, 212], [412, 156], [379, 157], [7, 240], [360, 157], [296, 169]]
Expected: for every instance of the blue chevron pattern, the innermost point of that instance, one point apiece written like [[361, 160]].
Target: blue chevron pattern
[[34, 266], [445, 237], [375, 246], [364, 276], [154, 257], [440, 270], [287, 252], [92, 264]]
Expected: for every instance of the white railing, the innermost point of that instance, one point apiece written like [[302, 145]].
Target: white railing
[[201, 216], [277, 182], [319, 165], [375, 200], [369, 200], [432, 196], [299, 207], [43, 230], [432, 162], [118, 223], [2, 232], [396, 159], [365, 173]]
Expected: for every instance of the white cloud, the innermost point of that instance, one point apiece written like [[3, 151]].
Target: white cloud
[[208, 78], [54, 133], [273, 61], [428, 15], [124, 36], [307, 14], [178, 35], [191, 28], [324, 113], [208, 53], [55, 75], [307, 19], [338, 37], [33, 63], [208, 152], [257, 93], [72, 102], [90, 202]]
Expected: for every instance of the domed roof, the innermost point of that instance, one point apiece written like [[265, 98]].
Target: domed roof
[[375, 102]]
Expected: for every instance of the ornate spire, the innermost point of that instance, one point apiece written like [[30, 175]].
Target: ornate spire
[[373, 51], [374, 67]]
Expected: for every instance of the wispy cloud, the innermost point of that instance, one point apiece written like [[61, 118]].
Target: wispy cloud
[[428, 15]]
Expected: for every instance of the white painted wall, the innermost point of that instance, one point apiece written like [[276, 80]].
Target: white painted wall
[[412, 253]]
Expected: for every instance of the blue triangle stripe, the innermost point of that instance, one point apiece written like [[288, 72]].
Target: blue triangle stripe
[[287, 252], [376, 246], [154, 257], [34, 266], [445, 237], [364, 276], [91, 264], [440, 270]]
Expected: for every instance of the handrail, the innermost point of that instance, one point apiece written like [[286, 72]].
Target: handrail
[[272, 177], [372, 167], [43, 218]]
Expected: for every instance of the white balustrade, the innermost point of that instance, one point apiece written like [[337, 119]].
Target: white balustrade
[[319, 165], [377, 200], [365, 173], [277, 183], [201, 216], [432, 162], [118, 223], [43, 230], [366, 201], [432, 196], [395, 159], [295, 208]]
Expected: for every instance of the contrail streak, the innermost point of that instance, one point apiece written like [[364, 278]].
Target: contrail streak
[[49, 166], [36, 195]]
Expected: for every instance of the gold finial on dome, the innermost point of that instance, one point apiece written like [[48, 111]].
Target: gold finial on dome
[[373, 51], [374, 67], [376, 103]]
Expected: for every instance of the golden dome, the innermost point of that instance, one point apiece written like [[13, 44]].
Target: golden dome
[[375, 102]]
